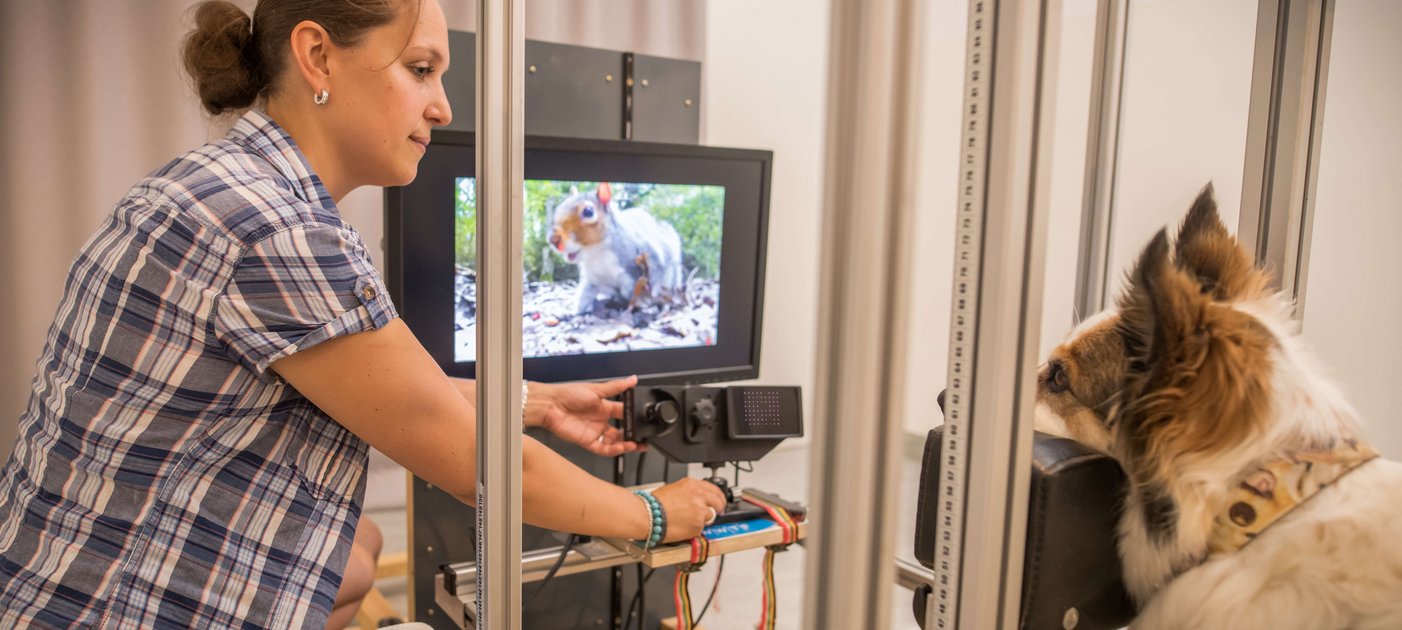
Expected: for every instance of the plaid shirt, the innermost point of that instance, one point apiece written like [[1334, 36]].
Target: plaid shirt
[[164, 476]]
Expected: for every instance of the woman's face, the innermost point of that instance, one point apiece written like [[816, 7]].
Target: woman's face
[[387, 96]]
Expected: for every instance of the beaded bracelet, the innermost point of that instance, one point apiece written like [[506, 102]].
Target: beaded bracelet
[[658, 518]]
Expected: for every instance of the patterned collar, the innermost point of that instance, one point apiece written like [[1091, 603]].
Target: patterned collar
[[264, 137], [1276, 486]]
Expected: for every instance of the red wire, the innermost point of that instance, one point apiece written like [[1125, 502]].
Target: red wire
[[783, 523], [677, 596]]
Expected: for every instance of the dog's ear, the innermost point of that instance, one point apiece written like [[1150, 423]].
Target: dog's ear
[[1199, 370], [1139, 317], [1221, 267]]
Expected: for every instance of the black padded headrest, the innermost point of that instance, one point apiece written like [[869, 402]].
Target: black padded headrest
[[1071, 561]]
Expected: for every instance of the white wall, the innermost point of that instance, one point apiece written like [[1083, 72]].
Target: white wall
[[1353, 301], [1071, 120], [941, 99], [764, 85], [1187, 87]]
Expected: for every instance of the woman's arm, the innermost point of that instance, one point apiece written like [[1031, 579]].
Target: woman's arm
[[578, 413], [385, 388]]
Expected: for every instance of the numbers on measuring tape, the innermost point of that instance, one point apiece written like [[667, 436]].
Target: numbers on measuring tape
[[963, 316]]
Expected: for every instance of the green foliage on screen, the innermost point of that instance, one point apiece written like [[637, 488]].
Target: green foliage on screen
[[695, 212]]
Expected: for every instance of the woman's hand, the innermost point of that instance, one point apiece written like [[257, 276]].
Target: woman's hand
[[690, 504], [580, 412]]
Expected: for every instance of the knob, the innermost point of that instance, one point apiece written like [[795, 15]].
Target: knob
[[704, 411], [664, 412]]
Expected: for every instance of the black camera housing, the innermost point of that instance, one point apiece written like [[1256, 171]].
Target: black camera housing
[[712, 425]]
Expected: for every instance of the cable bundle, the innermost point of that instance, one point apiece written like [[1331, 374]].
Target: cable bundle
[[700, 552], [790, 529]]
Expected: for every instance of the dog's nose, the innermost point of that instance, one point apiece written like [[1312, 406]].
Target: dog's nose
[[940, 399]]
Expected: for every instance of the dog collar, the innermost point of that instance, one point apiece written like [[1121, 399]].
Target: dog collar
[[1270, 490]]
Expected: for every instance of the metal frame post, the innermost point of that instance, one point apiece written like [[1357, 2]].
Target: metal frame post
[[869, 187], [1102, 156], [500, 137], [1288, 82], [996, 313]]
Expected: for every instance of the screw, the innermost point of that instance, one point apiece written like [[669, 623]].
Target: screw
[[630, 83], [608, 78], [430, 548], [687, 102], [531, 69], [644, 82]]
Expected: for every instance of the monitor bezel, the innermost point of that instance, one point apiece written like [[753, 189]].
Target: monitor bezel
[[715, 363]]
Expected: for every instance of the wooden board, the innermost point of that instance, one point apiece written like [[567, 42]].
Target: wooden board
[[680, 553]]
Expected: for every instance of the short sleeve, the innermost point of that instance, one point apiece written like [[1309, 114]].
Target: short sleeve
[[296, 288]]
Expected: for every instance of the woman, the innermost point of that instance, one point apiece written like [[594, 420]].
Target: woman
[[194, 450]]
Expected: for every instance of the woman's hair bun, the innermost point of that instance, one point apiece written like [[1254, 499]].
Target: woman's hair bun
[[222, 58]]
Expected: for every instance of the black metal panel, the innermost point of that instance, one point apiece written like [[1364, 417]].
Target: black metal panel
[[443, 532], [460, 82], [573, 91], [578, 92], [666, 100]]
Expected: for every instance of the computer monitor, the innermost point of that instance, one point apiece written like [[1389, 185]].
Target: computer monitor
[[638, 258]]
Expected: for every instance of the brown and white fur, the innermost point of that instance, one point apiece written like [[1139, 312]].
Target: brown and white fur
[[1197, 375]]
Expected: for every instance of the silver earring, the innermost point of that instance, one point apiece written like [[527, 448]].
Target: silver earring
[[320, 98]]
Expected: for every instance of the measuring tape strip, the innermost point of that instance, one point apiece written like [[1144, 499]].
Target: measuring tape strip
[[964, 311]]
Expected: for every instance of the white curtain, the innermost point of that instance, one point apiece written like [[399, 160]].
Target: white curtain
[[94, 97]]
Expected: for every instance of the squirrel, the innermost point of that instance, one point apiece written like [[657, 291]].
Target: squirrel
[[621, 254]]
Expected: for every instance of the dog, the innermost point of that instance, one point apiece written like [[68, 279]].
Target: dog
[[1253, 501]]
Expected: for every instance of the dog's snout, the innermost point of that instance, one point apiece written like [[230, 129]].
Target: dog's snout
[[940, 399]]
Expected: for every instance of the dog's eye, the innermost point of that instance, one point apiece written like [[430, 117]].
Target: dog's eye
[[1057, 379]]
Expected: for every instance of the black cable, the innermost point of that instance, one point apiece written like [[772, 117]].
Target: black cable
[[560, 561], [641, 595], [714, 587], [639, 602], [632, 604]]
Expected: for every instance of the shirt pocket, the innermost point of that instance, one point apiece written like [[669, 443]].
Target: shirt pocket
[[329, 460]]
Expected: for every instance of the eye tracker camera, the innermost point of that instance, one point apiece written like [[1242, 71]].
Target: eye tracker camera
[[712, 425]]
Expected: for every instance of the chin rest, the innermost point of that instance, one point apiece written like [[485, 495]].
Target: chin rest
[[1071, 561]]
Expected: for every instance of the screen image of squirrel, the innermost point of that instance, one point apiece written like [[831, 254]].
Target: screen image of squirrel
[[606, 267]]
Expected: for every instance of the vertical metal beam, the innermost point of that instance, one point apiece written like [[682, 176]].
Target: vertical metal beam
[[500, 136], [1102, 155], [862, 330], [1288, 81], [1300, 274], [996, 313]]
